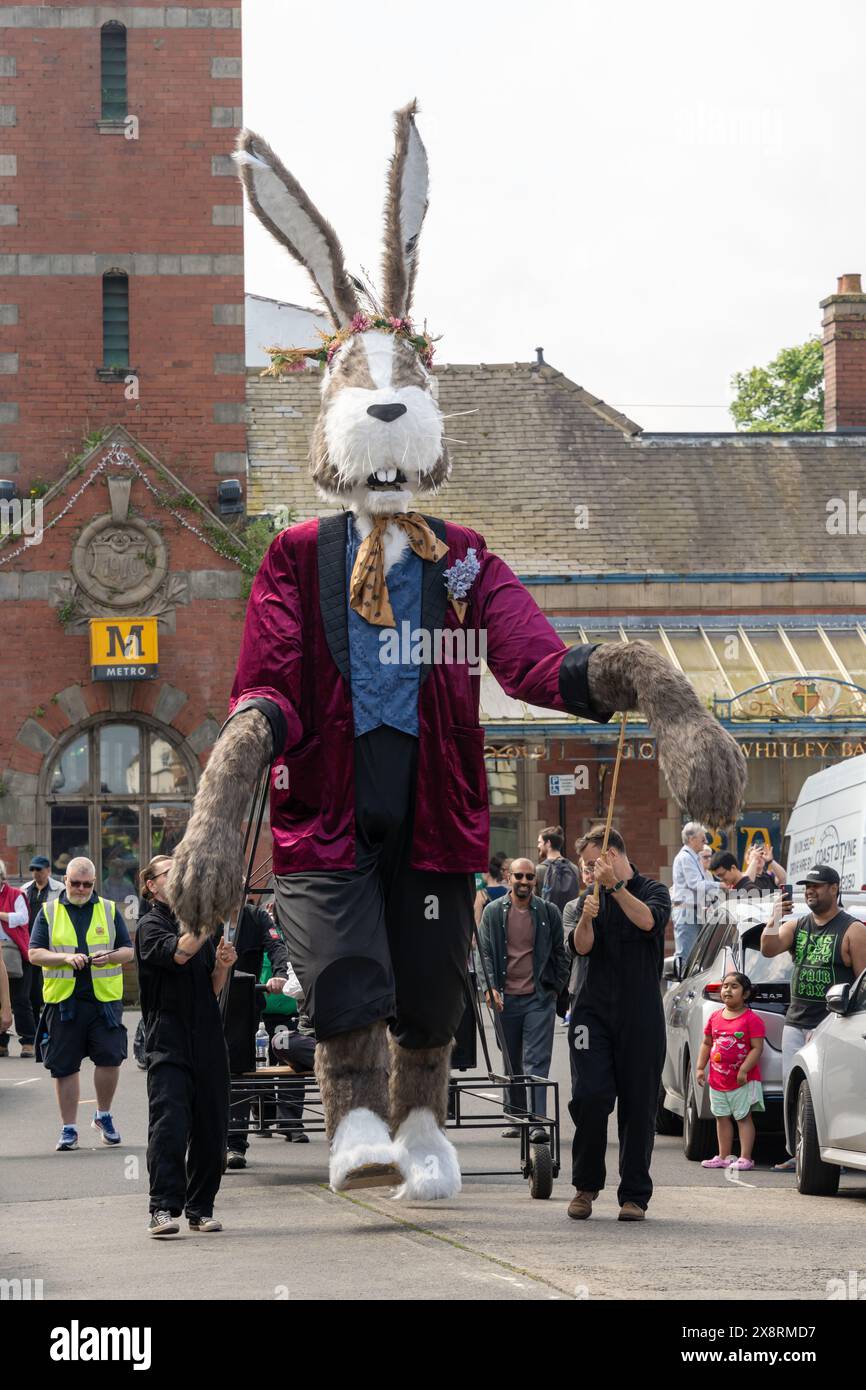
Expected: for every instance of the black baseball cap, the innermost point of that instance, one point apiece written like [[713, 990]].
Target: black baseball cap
[[39, 861], [822, 873]]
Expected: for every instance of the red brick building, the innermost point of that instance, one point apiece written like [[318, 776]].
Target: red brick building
[[121, 411]]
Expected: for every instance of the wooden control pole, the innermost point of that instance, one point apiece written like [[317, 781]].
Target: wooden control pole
[[619, 750]]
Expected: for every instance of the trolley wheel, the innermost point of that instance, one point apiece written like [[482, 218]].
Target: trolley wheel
[[540, 1170]]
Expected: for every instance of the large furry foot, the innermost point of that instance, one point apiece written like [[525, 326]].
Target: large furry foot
[[429, 1159], [363, 1154]]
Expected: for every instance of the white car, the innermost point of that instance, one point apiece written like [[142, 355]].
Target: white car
[[825, 1094]]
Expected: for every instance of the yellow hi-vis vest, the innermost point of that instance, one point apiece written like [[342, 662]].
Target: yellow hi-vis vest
[[58, 985]]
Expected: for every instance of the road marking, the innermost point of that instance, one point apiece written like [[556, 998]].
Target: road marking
[[29, 1080], [92, 1101]]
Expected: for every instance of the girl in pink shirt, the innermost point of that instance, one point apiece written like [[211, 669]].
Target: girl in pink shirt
[[733, 1043]]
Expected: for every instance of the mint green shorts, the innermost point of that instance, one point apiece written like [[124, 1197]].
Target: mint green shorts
[[739, 1103]]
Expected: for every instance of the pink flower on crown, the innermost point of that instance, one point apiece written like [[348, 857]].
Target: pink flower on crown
[[360, 323]]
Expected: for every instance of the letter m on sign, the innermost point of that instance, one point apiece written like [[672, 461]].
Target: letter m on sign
[[131, 647], [124, 648]]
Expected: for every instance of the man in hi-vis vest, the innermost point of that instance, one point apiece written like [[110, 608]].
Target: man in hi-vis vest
[[81, 942]]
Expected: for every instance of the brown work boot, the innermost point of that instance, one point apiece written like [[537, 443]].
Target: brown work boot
[[580, 1206], [630, 1211]]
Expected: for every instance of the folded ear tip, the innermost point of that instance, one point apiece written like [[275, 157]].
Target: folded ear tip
[[408, 111]]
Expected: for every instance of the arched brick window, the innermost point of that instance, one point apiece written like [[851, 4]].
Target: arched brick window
[[118, 790]]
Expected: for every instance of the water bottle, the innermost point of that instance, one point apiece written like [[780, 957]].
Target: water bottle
[[261, 1047]]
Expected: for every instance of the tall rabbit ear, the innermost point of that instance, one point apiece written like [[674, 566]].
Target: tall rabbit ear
[[405, 206], [283, 207]]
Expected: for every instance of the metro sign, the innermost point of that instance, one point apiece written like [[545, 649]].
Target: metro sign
[[123, 649]]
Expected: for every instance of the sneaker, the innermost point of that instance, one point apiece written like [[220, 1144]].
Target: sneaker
[[204, 1223], [4, 1050], [298, 1136], [162, 1223], [580, 1206], [235, 1159], [68, 1139], [105, 1125], [28, 1050], [511, 1133]]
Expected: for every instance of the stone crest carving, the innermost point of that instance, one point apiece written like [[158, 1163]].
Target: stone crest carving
[[119, 565]]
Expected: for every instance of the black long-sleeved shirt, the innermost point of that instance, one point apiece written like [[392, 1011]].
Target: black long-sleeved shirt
[[624, 967], [184, 991], [258, 937]]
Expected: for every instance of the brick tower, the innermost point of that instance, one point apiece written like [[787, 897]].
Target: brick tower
[[121, 411]]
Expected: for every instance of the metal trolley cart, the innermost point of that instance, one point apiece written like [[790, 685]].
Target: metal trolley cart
[[259, 1098]]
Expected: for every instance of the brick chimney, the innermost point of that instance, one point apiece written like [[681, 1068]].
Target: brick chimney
[[844, 325]]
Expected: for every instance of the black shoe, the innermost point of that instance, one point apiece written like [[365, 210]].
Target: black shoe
[[236, 1160], [162, 1223], [204, 1223], [298, 1136]]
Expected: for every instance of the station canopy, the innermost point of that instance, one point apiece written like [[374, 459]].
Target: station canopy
[[741, 672]]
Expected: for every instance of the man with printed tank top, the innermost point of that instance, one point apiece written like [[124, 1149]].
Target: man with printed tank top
[[829, 948], [81, 942]]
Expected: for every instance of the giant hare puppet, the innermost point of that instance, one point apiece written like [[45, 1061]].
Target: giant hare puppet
[[382, 819]]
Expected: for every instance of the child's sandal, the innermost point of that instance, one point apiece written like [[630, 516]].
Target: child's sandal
[[717, 1162]]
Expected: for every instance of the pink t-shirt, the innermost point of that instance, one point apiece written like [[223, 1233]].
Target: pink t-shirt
[[730, 1042]]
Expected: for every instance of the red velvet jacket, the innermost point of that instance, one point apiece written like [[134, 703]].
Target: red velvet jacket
[[294, 665]]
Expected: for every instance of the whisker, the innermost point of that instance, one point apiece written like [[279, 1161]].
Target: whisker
[[453, 413]]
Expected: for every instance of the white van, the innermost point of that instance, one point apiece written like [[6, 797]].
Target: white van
[[828, 826]]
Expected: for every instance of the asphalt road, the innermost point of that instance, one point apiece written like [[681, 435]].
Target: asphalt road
[[77, 1222]]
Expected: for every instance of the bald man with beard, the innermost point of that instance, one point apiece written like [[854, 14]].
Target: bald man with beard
[[522, 945]]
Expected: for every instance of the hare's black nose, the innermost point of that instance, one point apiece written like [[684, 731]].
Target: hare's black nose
[[386, 413]]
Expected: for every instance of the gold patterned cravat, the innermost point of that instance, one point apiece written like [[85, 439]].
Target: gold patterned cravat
[[368, 590]]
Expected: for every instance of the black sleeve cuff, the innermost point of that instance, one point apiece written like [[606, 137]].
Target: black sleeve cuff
[[574, 684], [274, 715]]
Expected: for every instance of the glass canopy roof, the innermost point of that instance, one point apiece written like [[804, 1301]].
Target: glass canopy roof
[[742, 673]]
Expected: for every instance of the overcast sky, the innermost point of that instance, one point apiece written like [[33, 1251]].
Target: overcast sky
[[659, 195]]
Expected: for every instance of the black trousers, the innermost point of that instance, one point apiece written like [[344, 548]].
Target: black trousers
[[22, 1009], [382, 940], [615, 1062], [188, 1102]]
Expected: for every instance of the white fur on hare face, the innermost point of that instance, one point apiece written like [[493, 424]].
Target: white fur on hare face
[[361, 1138], [428, 1158], [358, 444]]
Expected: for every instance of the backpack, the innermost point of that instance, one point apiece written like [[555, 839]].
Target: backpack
[[561, 882]]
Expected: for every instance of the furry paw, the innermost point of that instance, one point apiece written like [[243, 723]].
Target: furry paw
[[429, 1159], [705, 769], [363, 1154], [206, 878]]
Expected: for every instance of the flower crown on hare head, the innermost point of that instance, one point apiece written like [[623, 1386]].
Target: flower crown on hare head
[[379, 436]]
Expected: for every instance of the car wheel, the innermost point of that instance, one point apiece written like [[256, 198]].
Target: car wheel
[[699, 1135], [666, 1121], [815, 1178]]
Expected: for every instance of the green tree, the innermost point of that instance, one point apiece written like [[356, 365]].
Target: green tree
[[788, 394]]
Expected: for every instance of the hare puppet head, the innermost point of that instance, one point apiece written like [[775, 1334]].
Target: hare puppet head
[[378, 439]]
